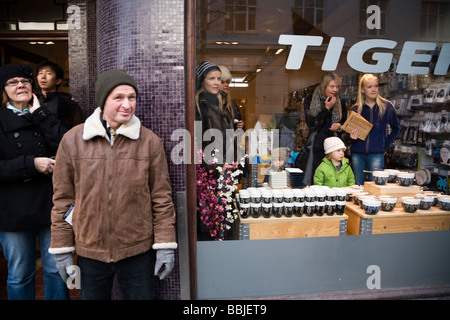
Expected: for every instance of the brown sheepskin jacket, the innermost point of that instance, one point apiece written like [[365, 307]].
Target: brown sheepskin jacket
[[121, 193]]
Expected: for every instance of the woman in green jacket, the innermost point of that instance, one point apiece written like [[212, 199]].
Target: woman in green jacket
[[334, 170]]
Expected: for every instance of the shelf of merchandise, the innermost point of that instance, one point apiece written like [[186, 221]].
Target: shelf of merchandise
[[292, 227], [395, 221]]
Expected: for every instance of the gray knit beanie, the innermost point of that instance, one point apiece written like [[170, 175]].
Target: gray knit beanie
[[107, 81], [202, 71]]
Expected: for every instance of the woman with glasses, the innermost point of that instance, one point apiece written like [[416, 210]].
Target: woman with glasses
[[29, 138]]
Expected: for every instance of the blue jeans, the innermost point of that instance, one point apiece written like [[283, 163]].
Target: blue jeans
[[19, 248], [134, 275], [369, 162]]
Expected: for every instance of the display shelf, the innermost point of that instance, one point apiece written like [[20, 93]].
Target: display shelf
[[396, 221], [391, 189], [292, 227]]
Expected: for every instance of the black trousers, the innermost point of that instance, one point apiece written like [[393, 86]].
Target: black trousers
[[134, 275]]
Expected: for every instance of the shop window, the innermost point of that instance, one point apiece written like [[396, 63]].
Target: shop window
[[310, 10], [273, 98], [434, 20], [240, 15]]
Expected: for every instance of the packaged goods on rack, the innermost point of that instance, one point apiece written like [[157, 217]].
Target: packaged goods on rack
[[266, 202]]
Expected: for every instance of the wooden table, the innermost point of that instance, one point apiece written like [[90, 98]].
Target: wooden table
[[396, 221], [293, 227]]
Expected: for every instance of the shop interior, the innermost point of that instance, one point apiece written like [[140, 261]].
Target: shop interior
[[329, 249], [271, 97]]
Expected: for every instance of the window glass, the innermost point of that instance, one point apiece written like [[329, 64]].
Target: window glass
[[278, 52]]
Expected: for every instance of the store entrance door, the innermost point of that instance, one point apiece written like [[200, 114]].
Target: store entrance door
[[32, 48]]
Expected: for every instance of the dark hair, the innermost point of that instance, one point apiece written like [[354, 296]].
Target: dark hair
[[56, 68]]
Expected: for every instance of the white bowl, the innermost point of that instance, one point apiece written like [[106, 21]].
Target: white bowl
[[382, 174]]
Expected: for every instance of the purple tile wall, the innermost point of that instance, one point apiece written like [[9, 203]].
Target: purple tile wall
[[146, 39]]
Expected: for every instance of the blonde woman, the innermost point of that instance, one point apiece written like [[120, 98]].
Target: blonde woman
[[210, 109], [226, 96], [324, 116], [369, 154]]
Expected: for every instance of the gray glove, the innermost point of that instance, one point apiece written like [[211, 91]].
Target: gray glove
[[165, 260], [64, 260]]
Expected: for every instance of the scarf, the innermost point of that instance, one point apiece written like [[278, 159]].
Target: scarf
[[318, 104]]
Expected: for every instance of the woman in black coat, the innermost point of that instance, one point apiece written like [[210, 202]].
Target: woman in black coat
[[212, 113], [324, 117], [29, 138], [216, 120]]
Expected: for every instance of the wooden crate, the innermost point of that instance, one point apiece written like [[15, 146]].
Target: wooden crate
[[292, 227], [396, 221], [390, 189]]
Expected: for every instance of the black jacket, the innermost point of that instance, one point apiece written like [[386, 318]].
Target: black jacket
[[319, 128], [212, 117], [25, 194], [67, 110]]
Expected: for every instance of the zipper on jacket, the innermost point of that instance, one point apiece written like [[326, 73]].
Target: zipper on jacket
[[109, 205], [371, 121]]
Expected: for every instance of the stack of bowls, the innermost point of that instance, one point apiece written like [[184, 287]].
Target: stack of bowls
[[392, 175], [365, 197], [405, 179], [388, 203], [341, 194], [444, 203], [355, 196], [380, 177], [410, 204], [371, 206], [425, 203], [244, 203], [316, 200]]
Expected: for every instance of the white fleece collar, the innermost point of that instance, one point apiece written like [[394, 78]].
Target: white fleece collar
[[93, 127]]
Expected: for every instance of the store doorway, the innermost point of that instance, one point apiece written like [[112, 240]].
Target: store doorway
[[34, 31], [32, 51]]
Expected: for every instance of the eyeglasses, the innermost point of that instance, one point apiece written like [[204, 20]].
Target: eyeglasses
[[15, 83]]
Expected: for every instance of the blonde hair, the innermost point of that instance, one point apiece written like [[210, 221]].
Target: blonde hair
[[226, 77], [226, 74], [197, 95], [326, 78], [381, 102]]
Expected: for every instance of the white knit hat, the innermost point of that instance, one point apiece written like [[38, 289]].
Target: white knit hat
[[332, 144]]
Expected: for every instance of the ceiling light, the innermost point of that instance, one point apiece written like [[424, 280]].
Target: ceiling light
[[238, 85], [238, 79], [279, 51]]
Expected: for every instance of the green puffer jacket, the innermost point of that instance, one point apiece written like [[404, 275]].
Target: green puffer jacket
[[327, 175]]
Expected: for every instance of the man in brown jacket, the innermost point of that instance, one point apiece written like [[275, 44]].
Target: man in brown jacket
[[113, 171]]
